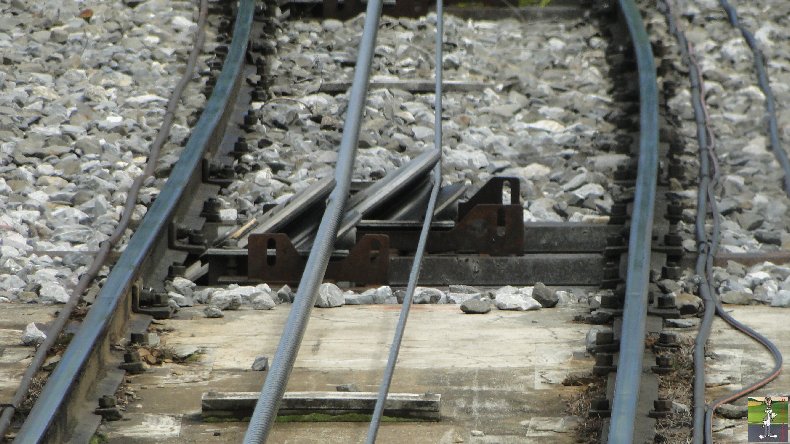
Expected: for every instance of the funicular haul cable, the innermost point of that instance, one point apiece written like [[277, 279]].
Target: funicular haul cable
[[273, 389]]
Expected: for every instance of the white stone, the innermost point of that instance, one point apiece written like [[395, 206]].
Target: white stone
[[514, 301], [52, 292], [535, 171], [329, 296], [226, 299], [32, 335], [550, 126], [263, 301], [144, 99], [182, 23], [589, 190], [228, 214]]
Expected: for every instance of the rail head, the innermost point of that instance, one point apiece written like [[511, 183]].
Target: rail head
[[95, 325], [629, 367]]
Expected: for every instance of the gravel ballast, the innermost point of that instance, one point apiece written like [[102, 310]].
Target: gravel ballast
[[81, 99]]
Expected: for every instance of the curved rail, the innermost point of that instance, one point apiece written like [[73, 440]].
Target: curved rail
[[208, 128], [632, 345]]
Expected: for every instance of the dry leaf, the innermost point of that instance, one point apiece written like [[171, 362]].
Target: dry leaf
[[86, 14]]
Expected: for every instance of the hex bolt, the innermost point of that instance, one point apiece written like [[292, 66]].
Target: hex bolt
[[673, 239], [222, 172], [671, 271], [241, 146], [211, 207], [666, 301], [675, 148], [604, 364], [667, 338], [604, 338], [214, 64], [619, 209], [624, 173], [250, 119], [131, 356], [139, 338], [260, 67], [615, 240], [611, 302], [600, 408], [662, 407], [675, 168], [674, 213], [663, 365], [259, 95], [260, 9], [176, 271], [611, 271], [106, 402], [667, 341], [618, 213], [161, 299], [196, 237]]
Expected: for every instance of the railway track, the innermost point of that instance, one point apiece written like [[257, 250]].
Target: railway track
[[368, 236]]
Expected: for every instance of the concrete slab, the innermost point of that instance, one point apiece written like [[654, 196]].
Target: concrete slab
[[738, 361], [499, 373], [15, 357]]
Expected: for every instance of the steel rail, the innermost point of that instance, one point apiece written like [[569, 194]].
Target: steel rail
[[414, 274], [632, 343], [119, 282], [277, 378], [765, 86]]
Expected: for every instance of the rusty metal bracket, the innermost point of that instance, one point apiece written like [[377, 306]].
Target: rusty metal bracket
[[272, 258], [493, 192], [146, 301], [485, 225], [196, 243]]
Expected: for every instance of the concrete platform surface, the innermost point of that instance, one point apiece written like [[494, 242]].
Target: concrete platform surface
[[15, 357], [498, 373], [735, 361]]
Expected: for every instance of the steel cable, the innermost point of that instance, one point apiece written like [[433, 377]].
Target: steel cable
[[106, 247], [706, 199], [273, 389], [765, 86], [426, 227]]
